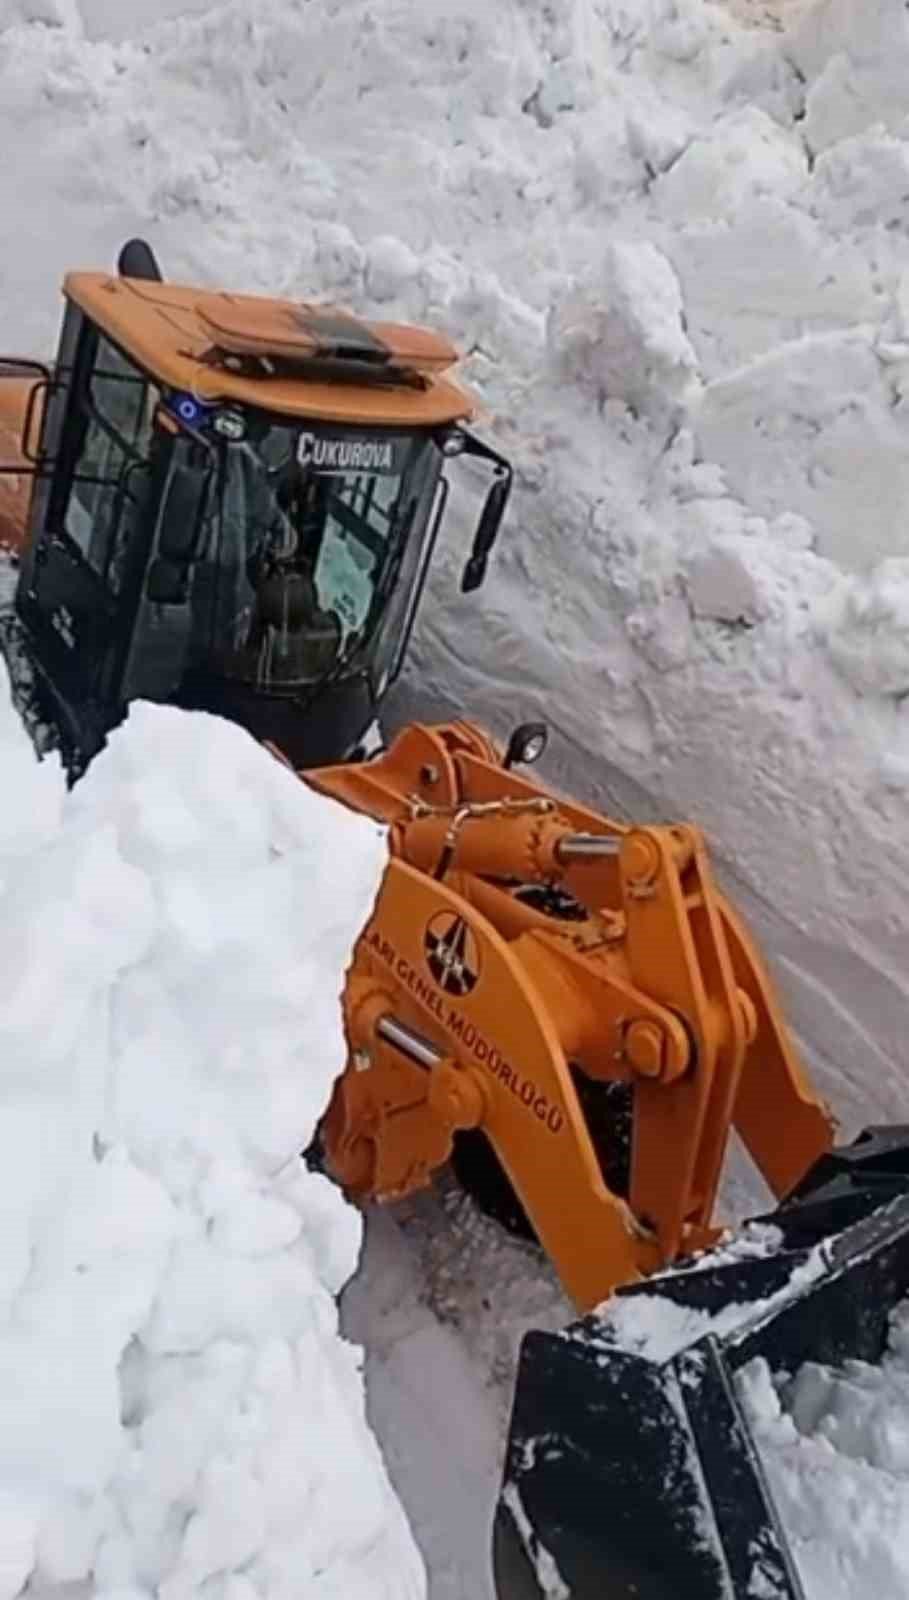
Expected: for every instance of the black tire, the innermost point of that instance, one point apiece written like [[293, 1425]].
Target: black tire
[[479, 1170]]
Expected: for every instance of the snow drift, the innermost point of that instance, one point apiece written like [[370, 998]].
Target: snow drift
[[675, 251], [179, 1412]]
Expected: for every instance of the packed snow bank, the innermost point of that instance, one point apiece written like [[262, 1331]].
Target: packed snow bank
[[674, 250], [835, 1445], [180, 1415]]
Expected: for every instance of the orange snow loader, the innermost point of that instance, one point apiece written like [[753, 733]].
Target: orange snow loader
[[577, 996], [231, 503]]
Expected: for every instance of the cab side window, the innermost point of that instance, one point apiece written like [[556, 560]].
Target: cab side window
[[354, 548], [110, 474]]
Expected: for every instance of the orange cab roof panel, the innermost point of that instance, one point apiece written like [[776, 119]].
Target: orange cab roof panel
[[172, 331]]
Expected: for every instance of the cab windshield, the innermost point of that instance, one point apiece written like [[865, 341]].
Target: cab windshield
[[305, 540]]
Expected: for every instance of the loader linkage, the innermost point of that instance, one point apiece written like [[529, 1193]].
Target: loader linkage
[[525, 959]]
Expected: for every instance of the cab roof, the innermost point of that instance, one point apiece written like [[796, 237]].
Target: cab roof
[[295, 359]]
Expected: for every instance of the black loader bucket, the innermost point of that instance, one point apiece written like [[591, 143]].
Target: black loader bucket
[[631, 1472]]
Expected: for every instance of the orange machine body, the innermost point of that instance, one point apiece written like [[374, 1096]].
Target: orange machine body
[[523, 955], [15, 485], [186, 338], [196, 340]]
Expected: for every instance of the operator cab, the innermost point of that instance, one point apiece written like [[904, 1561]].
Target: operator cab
[[234, 505]]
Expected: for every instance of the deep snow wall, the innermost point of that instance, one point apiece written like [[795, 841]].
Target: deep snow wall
[[180, 1415], [675, 251]]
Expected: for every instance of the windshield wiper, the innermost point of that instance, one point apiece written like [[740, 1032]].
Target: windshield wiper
[[363, 641]]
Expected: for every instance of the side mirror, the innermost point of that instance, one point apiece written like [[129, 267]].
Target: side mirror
[[185, 498], [487, 532], [526, 745]]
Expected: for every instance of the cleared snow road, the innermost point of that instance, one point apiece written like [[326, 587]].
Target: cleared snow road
[[429, 1406]]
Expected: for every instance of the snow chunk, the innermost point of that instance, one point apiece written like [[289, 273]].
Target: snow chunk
[[812, 428], [661, 632], [862, 182], [657, 130], [744, 155], [767, 274], [855, 58], [610, 156], [835, 1446], [726, 581], [620, 333], [390, 269], [864, 625]]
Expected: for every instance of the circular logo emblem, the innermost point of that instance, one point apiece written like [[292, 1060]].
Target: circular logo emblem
[[452, 953]]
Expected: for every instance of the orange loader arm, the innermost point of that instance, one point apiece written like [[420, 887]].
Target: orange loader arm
[[524, 958]]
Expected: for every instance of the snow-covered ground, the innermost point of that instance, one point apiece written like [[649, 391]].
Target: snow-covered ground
[[179, 1414], [675, 247], [441, 1301]]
